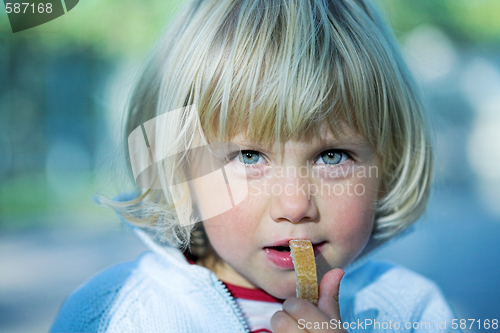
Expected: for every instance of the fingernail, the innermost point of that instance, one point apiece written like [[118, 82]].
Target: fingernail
[[290, 305]]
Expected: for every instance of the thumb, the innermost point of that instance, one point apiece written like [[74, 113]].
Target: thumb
[[329, 293]]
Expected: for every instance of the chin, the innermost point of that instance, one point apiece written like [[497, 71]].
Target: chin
[[281, 289]]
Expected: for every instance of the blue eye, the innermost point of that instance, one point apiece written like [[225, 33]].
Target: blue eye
[[249, 157], [333, 157]]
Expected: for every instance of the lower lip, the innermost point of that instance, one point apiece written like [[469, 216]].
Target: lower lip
[[282, 259]]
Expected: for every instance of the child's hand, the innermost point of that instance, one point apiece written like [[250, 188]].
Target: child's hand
[[299, 315]]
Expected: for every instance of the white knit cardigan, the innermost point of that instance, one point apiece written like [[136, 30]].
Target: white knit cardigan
[[162, 292]]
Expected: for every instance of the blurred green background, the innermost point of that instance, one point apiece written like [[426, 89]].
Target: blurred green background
[[57, 112], [56, 108], [63, 89]]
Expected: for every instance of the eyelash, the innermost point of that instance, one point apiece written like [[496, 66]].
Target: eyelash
[[347, 155], [237, 155]]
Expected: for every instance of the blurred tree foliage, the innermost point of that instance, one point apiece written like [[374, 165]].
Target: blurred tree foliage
[[129, 27], [107, 27], [465, 21]]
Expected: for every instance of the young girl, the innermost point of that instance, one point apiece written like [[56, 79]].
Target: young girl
[[253, 123]]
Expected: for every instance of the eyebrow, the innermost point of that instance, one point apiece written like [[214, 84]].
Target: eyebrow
[[251, 145], [357, 142], [330, 141]]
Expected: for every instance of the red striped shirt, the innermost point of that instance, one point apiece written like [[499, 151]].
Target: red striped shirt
[[256, 305]]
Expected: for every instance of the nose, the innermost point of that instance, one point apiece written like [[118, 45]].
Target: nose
[[292, 202]]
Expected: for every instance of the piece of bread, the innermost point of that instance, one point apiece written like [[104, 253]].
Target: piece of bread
[[302, 253]]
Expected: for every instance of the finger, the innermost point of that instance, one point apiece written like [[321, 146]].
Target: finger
[[281, 322], [309, 317], [306, 315], [328, 301]]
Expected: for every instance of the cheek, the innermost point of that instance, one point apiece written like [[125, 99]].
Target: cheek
[[234, 232], [353, 217]]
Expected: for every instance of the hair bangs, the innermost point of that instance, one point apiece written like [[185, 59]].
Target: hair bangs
[[274, 86]]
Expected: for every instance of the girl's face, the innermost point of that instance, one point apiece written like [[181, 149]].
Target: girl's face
[[324, 190]]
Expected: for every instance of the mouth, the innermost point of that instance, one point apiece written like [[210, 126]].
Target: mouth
[[280, 248], [279, 253]]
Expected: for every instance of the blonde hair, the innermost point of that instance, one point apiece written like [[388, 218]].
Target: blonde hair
[[278, 70]]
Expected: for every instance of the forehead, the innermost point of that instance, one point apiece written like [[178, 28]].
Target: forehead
[[345, 136]]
